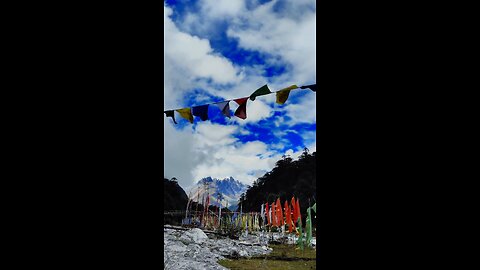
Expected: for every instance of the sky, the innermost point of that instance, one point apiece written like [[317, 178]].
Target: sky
[[217, 50]]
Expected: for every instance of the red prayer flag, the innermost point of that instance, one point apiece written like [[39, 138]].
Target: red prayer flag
[[280, 212], [288, 217], [241, 111]]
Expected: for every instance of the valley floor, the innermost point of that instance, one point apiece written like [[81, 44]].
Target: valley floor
[[194, 250]]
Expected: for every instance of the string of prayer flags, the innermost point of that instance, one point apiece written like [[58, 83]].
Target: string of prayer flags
[[201, 111], [282, 94], [171, 114], [312, 87], [241, 111], [224, 107], [264, 90], [186, 113]]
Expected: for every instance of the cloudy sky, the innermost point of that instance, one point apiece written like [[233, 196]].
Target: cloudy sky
[[226, 49]]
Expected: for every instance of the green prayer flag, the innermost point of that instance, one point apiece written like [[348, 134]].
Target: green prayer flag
[[300, 238], [308, 227], [264, 90], [314, 207]]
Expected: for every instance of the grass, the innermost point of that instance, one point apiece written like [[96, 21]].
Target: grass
[[283, 257]]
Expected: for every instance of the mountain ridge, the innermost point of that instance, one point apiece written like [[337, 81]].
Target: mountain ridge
[[229, 188]]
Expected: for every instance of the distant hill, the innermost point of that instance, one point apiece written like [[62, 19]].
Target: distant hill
[[174, 197], [288, 178], [229, 188]]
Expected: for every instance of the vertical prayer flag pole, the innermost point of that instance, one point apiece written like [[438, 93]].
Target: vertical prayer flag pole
[[308, 227]]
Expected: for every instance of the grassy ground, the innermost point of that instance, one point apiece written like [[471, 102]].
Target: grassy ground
[[278, 259]]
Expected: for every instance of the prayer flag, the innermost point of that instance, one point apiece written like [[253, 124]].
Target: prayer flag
[[201, 111], [298, 209], [288, 217], [241, 111], [220, 214], [282, 222], [282, 95], [312, 87], [294, 208], [274, 214], [186, 113], [280, 213], [308, 226], [207, 203], [270, 216], [260, 92], [300, 237], [250, 222], [266, 212], [224, 107], [171, 114], [314, 207], [262, 214]]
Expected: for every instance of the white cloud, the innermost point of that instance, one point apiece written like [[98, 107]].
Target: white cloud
[[187, 59], [304, 111], [206, 149], [225, 156], [222, 8], [178, 160], [256, 111], [291, 38]]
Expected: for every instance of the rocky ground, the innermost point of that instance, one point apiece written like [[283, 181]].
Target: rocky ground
[[194, 250]]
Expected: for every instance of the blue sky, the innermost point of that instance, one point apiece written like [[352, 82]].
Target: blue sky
[[226, 49]]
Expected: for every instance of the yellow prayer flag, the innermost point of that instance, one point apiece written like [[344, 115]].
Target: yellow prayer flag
[[282, 95], [186, 113]]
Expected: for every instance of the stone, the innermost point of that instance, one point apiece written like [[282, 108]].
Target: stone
[[243, 253], [195, 235]]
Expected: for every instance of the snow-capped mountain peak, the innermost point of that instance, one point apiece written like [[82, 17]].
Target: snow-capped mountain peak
[[228, 189]]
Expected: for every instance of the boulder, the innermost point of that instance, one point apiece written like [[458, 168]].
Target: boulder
[[195, 235], [243, 253]]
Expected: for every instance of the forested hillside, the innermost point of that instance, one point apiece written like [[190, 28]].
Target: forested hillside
[[174, 197], [288, 178]]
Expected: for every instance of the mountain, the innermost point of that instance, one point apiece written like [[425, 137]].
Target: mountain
[[229, 188], [174, 197]]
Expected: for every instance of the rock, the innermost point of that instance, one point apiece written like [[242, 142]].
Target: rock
[[234, 254], [194, 250], [194, 235], [243, 253], [176, 246]]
